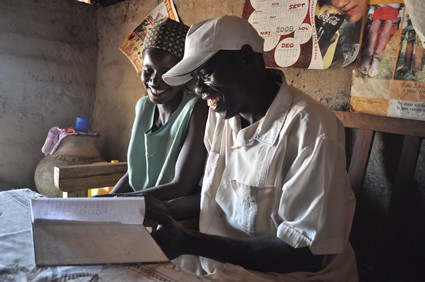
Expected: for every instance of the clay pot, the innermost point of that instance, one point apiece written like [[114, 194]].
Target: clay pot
[[73, 150]]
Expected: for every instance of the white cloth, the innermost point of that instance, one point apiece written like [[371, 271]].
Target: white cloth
[[284, 175], [17, 261], [55, 137]]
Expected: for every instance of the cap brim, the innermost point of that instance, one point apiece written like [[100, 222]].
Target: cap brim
[[176, 80], [181, 72]]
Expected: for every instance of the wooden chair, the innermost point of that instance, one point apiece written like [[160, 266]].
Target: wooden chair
[[361, 130]]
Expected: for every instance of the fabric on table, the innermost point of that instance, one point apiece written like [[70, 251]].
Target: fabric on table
[[17, 256]]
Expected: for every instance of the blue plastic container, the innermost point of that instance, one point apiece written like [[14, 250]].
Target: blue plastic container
[[82, 124]]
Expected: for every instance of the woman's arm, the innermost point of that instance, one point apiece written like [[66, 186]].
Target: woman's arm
[[186, 207], [122, 186], [190, 162]]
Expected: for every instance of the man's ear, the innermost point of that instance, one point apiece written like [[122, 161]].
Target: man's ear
[[248, 55]]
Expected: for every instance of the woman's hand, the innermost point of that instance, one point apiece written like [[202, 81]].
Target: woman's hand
[[110, 195], [128, 194]]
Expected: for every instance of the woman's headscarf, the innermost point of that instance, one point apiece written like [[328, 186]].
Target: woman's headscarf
[[167, 35]]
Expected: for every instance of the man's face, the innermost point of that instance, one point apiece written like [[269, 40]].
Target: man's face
[[220, 82], [353, 8]]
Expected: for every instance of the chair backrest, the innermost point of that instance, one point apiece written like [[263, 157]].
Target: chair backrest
[[366, 125], [361, 129]]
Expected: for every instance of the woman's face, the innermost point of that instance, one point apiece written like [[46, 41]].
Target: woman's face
[[156, 62], [353, 8]]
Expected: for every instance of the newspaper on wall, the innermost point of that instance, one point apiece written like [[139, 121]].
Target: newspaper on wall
[[132, 45], [315, 34], [388, 79]]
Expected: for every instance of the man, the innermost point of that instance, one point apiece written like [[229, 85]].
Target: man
[[275, 201]]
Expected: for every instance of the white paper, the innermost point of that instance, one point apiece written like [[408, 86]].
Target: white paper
[[79, 231], [128, 210]]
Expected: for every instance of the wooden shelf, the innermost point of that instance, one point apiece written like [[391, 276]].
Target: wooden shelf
[[80, 177]]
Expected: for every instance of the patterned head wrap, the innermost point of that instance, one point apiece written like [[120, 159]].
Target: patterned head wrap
[[167, 35]]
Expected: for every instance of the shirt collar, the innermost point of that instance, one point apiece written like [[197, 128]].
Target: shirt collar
[[267, 129]]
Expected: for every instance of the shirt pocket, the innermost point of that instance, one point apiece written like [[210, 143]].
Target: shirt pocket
[[247, 208]]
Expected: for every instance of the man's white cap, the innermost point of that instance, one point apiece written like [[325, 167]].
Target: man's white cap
[[206, 38]]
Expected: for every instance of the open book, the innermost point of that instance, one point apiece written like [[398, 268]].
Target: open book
[[78, 231]]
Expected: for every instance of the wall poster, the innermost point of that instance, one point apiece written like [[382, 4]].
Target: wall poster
[[313, 34], [388, 78], [132, 45]]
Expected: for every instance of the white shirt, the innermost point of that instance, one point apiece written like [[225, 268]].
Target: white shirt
[[283, 175]]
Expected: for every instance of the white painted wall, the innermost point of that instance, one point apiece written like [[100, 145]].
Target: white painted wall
[[48, 53]]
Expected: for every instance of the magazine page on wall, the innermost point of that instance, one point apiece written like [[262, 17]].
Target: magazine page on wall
[[314, 34], [388, 77], [132, 45]]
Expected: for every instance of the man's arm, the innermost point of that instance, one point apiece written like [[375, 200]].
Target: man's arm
[[265, 254]]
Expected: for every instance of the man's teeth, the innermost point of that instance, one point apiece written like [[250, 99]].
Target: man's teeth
[[213, 102]]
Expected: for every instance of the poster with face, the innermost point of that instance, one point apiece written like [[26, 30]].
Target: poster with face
[[313, 34]]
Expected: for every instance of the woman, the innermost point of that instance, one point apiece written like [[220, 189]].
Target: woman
[[384, 20], [166, 153]]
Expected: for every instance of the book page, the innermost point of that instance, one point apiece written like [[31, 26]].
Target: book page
[[79, 243], [129, 210]]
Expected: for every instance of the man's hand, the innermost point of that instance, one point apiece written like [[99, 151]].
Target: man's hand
[[169, 235], [154, 205]]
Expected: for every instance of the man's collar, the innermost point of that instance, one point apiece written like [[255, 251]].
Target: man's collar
[[271, 124], [269, 127]]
